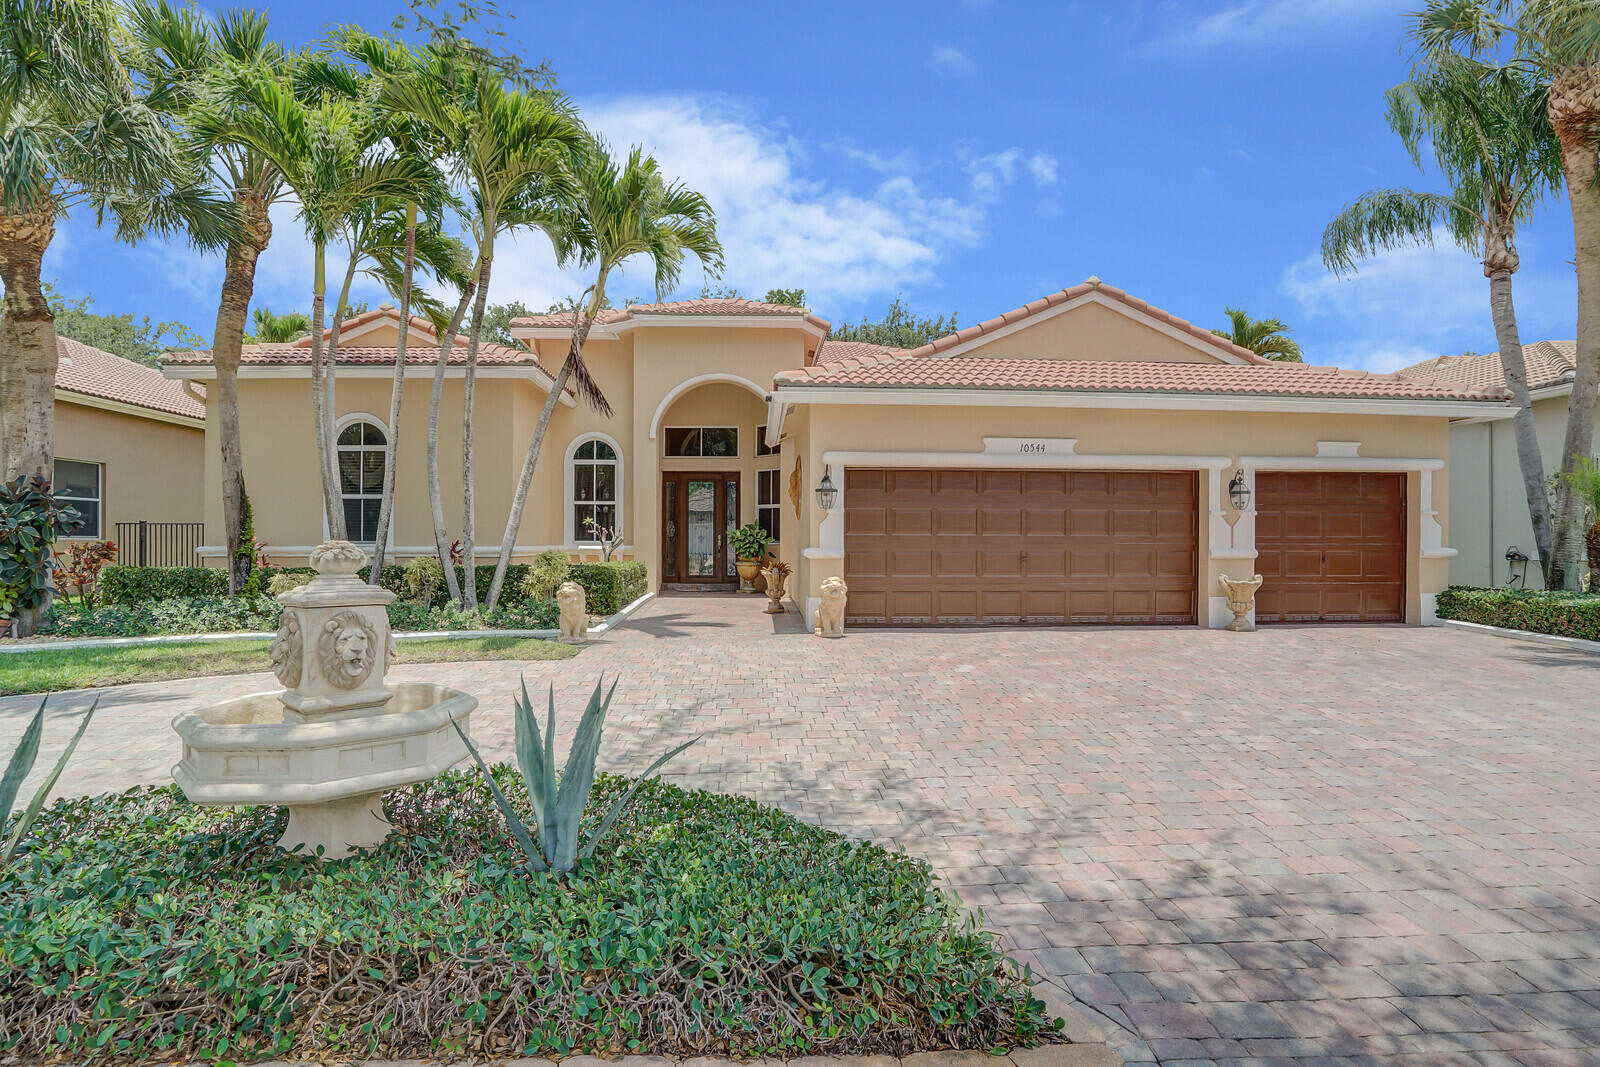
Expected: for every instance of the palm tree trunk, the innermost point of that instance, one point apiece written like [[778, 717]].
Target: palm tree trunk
[[1578, 157], [435, 499], [238, 285], [583, 320], [30, 347], [1523, 426], [332, 512], [469, 379], [28, 337], [396, 394], [330, 416]]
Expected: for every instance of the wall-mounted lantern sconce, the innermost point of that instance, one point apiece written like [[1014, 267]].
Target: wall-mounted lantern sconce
[[827, 492], [1239, 491], [1516, 567]]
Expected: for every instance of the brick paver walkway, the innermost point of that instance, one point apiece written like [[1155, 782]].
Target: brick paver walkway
[[1374, 843]]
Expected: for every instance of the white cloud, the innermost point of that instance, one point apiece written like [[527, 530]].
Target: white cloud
[[948, 59], [1411, 304], [1265, 22]]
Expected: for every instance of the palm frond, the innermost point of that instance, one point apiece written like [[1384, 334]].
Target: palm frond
[[1388, 218]]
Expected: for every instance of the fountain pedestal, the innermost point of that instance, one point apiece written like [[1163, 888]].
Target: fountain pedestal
[[336, 737]]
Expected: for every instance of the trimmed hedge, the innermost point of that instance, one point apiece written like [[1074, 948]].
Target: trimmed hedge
[[611, 586], [224, 614], [140, 927], [1540, 611], [130, 585]]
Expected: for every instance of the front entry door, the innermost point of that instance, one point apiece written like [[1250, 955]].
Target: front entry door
[[698, 510]]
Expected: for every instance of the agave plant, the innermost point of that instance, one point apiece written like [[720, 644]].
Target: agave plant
[[21, 763], [558, 806]]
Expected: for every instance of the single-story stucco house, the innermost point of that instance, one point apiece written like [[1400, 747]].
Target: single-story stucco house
[[130, 449], [1488, 505], [1086, 458]]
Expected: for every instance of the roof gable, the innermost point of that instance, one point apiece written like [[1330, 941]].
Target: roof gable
[[1549, 364], [1093, 321], [91, 372]]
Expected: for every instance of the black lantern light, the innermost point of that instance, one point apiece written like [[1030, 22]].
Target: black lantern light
[[827, 492], [1239, 491], [1516, 566]]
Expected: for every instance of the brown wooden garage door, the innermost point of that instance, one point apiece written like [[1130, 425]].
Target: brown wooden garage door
[[966, 547], [1331, 547]]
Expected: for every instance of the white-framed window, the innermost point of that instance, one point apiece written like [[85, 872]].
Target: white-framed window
[[82, 485], [769, 509], [687, 442], [362, 446], [594, 490]]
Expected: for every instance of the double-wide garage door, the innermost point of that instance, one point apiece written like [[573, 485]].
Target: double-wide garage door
[[975, 547], [971, 547]]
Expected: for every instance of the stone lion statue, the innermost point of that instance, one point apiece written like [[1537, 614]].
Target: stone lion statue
[[285, 650], [573, 601], [830, 613], [347, 650]]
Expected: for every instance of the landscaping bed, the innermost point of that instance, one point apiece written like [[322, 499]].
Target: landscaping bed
[[1542, 611], [48, 670], [137, 926]]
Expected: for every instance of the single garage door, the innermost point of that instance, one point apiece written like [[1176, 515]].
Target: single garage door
[[1332, 547], [972, 547]]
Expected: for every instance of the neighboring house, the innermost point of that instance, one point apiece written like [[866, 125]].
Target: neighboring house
[[1067, 462], [1488, 505], [129, 447]]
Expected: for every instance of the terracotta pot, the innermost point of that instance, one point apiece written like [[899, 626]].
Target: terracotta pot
[[748, 569]]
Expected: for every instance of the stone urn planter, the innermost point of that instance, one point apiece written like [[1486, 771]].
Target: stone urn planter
[[775, 576], [1241, 595], [748, 569], [749, 544], [335, 739]]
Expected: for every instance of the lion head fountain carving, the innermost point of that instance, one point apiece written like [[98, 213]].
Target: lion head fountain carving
[[347, 649]]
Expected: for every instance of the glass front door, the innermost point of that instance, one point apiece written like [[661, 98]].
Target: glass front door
[[697, 511]]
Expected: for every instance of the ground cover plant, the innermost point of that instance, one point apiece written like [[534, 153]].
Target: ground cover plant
[[138, 926], [48, 670], [1544, 611]]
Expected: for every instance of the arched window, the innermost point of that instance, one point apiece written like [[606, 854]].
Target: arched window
[[596, 488], [361, 455]]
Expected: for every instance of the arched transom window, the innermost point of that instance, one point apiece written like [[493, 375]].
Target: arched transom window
[[594, 491], [361, 455]]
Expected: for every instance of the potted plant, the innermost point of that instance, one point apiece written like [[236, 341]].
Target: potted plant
[[775, 574], [750, 543]]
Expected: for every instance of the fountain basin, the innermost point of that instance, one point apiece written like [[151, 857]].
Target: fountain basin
[[331, 774]]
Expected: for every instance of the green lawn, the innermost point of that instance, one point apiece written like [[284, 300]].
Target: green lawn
[[52, 669]]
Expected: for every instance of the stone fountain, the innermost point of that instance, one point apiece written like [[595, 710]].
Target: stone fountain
[[335, 739]]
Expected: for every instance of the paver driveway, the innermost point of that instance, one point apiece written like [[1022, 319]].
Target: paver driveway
[[1380, 843]]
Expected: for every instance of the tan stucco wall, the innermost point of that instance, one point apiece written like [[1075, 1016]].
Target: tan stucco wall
[[152, 470], [871, 428], [1091, 331], [1489, 507]]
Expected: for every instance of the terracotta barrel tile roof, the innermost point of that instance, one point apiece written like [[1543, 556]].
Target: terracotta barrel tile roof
[[1101, 376], [294, 354], [92, 372], [836, 351], [1549, 363], [717, 306]]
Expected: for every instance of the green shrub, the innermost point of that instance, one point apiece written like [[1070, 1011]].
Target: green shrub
[[424, 578], [1541, 611], [131, 585], [284, 581], [138, 926], [409, 615], [750, 542], [545, 574], [175, 615], [611, 586]]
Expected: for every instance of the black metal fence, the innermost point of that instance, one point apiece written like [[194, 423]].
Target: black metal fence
[[159, 544]]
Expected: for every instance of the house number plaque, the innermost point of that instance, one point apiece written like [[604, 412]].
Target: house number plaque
[[1031, 446]]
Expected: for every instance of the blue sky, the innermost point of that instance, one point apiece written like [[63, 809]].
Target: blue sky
[[977, 154]]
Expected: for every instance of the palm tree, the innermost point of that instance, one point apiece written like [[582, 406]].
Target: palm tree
[[1491, 141], [184, 58], [1585, 480], [618, 213], [512, 150], [1559, 40], [333, 157], [280, 329], [1264, 337], [74, 132]]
